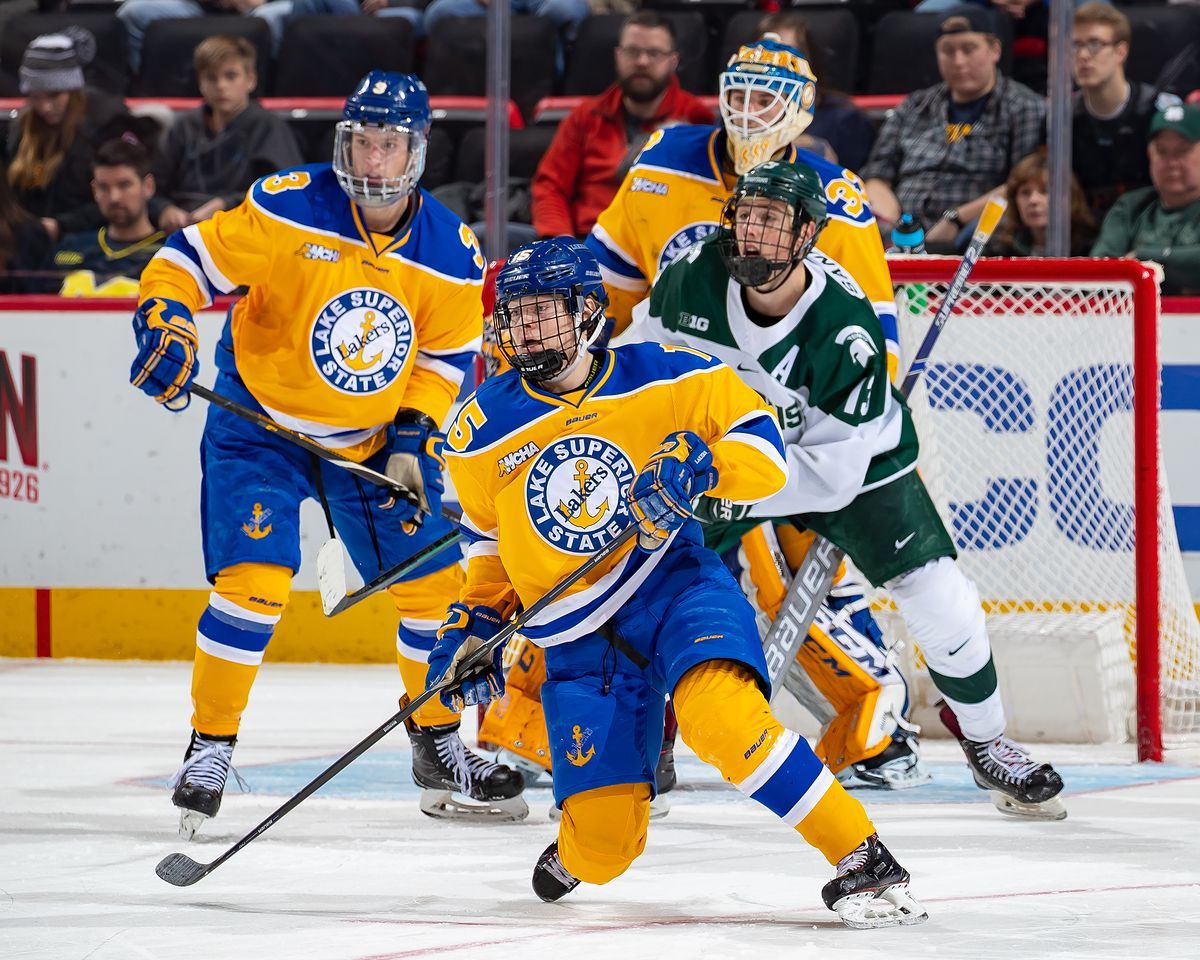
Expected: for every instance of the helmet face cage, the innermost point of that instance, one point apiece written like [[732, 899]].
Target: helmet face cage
[[378, 191], [777, 247], [542, 333], [766, 101]]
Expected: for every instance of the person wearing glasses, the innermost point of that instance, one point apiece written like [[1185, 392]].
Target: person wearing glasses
[[1111, 122], [596, 142]]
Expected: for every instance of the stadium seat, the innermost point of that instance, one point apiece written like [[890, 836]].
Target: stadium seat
[[1158, 35], [108, 67], [456, 59], [590, 65], [903, 59], [167, 69], [525, 149], [439, 159], [327, 56], [834, 32]]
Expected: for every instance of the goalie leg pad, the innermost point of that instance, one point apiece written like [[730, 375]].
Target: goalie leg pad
[[604, 830], [422, 605], [516, 723], [726, 720], [231, 638], [941, 609]]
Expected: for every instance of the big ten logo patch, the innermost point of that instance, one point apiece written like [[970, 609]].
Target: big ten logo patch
[[575, 493], [682, 239], [18, 421], [361, 340]]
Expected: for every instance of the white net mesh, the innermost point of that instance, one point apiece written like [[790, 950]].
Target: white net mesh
[[1027, 447]]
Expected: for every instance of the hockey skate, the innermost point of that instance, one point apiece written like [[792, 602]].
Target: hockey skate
[[898, 767], [550, 878], [200, 782], [1019, 785], [871, 889], [458, 784]]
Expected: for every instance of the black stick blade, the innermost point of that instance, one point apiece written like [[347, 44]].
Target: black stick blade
[[180, 870]]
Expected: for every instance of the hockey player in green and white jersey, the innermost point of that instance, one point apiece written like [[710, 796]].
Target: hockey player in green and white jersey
[[758, 296]]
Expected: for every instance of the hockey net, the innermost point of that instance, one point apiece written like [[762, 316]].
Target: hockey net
[[1038, 419]]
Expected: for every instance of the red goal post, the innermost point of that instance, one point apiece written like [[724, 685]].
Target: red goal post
[[1039, 424]]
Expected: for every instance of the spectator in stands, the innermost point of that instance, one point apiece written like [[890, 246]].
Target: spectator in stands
[[108, 262], [411, 10], [947, 148], [566, 14], [1112, 114], [137, 15], [49, 148], [1022, 232], [836, 120], [214, 153], [596, 142], [1162, 222], [24, 247]]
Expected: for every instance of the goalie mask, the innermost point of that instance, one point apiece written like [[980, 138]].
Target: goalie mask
[[379, 146], [549, 307], [764, 224], [767, 95]]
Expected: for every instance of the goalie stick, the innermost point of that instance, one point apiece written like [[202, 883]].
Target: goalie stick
[[814, 579], [181, 870]]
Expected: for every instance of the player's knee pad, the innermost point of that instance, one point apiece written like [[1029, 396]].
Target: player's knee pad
[[941, 609], [422, 604], [603, 830], [231, 639], [516, 721]]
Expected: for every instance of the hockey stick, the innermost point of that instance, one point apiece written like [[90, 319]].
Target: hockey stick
[[331, 571], [814, 579], [181, 870]]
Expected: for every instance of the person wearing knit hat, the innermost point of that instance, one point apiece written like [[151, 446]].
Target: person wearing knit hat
[[52, 64]]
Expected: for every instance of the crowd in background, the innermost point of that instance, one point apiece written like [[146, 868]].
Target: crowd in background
[[90, 191]]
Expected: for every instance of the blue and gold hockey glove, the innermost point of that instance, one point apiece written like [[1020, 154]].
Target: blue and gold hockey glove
[[463, 632], [661, 495], [166, 363], [414, 459]]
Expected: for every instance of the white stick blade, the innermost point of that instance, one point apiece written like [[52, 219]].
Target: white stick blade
[[331, 575]]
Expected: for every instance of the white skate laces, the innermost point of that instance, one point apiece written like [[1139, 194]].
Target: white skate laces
[[554, 866], [466, 767], [1006, 761], [209, 766], [856, 859]]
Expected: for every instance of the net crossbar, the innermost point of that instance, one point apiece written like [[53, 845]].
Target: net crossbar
[[1038, 419]]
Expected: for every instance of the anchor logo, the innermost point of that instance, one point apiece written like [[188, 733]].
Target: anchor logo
[[354, 353], [579, 758], [257, 531], [575, 510]]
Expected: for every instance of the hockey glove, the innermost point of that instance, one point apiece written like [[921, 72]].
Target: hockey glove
[[462, 633], [166, 364], [414, 459], [661, 495]]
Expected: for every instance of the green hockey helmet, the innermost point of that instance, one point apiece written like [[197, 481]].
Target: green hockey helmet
[[762, 243]]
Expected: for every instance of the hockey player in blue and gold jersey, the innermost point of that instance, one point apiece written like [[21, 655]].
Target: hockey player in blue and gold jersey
[[551, 461], [362, 317]]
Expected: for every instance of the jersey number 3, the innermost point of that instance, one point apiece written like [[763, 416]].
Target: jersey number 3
[[296, 180]]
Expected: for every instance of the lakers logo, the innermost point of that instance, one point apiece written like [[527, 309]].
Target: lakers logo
[[255, 529], [575, 493], [361, 340], [684, 238], [576, 756]]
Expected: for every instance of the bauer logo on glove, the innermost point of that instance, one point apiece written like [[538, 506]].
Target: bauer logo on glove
[[464, 631], [166, 364], [661, 495]]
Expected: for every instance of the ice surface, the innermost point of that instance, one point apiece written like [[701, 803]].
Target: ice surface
[[357, 873]]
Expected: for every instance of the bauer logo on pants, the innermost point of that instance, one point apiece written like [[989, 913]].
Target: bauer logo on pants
[[360, 341], [575, 493]]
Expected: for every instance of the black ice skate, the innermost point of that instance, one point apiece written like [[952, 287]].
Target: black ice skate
[[550, 878], [871, 889], [461, 785], [200, 782], [898, 767], [1019, 786]]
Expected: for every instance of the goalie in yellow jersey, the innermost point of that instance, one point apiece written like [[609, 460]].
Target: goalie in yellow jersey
[[552, 461], [361, 320]]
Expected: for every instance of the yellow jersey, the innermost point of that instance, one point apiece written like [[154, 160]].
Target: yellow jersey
[[341, 327], [543, 479]]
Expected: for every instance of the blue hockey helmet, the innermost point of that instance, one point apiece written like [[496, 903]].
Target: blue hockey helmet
[[379, 147], [767, 94], [541, 285]]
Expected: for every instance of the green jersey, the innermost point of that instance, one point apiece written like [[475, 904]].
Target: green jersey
[[823, 367]]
